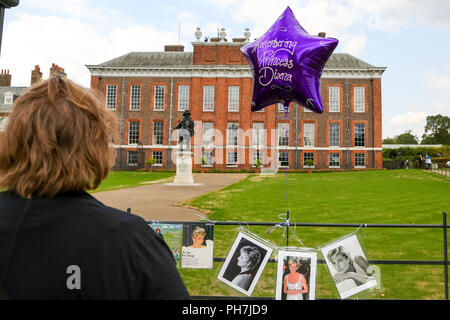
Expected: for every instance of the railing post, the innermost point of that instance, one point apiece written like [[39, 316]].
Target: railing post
[[287, 229], [445, 254]]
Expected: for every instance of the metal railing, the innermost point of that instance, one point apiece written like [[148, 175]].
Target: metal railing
[[442, 226]]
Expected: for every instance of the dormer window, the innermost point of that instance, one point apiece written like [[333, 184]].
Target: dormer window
[[8, 98]]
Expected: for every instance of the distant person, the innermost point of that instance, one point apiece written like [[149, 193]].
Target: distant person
[[158, 233], [56, 240], [428, 161], [420, 161]]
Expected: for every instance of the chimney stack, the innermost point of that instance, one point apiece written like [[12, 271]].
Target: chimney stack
[[5, 78], [56, 70], [36, 75]]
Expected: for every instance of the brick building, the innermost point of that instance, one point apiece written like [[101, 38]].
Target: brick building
[[149, 91], [8, 93]]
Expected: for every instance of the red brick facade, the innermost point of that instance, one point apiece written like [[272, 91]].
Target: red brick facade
[[222, 65]]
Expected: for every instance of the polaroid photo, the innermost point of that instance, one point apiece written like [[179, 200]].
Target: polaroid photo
[[245, 263], [296, 275], [198, 245], [172, 234], [348, 266]]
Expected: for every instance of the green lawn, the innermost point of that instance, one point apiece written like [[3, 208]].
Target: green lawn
[[381, 197], [128, 179]]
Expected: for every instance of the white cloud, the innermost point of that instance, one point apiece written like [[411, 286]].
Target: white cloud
[[37, 40], [391, 16], [352, 44], [400, 123], [410, 118]]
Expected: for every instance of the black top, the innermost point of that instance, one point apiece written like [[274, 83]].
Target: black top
[[74, 247]]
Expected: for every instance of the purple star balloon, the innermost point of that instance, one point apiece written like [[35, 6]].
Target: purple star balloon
[[287, 64]]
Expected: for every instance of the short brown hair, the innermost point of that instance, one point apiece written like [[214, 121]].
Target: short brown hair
[[56, 140]]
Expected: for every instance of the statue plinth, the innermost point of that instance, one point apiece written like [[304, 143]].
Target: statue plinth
[[184, 168]]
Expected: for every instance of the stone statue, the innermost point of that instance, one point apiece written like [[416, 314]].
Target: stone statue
[[185, 130]]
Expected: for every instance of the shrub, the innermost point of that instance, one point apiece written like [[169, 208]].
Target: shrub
[[150, 162], [309, 163]]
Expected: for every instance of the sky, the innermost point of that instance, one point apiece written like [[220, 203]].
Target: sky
[[411, 38]]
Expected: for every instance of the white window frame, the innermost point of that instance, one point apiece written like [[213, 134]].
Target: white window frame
[[282, 139], [158, 101], [235, 156], [183, 97], [9, 98], [255, 156], [333, 135], [233, 98], [364, 158], [159, 160], [359, 99], [309, 133], [339, 160], [313, 159], [280, 107], [258, 134], [135, 97], [130, 132], [280, 152], [232, 134], [208, 154], [135, 154], [111, 96], [334, 98], [355, 132], [207, 133], [158, 131], [208, 98]]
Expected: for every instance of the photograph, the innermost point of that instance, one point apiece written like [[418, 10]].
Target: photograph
[[198, 245], [245, 263], [296, 275], [172, 234], [348, 266]]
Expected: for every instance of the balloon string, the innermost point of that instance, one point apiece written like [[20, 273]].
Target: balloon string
[[286, 116]]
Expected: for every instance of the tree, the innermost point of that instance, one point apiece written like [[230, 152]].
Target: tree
[[437, 130], [389, 141], [404, 138], [407, 138]]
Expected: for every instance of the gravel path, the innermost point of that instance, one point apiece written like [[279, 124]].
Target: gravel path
[[161, 201]]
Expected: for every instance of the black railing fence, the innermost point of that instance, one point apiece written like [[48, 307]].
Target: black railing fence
[[443, 262]]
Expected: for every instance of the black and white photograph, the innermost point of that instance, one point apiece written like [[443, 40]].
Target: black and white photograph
[[348, 266], [245, 263], [296, 275], [198, 245]]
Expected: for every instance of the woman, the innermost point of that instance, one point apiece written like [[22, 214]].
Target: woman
[[198, 237], [248, 259], [358, 272], [54, 148], [198, 255], [295, 284]]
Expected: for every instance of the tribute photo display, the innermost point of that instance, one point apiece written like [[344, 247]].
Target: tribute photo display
[[296, 275], [245, 263], [172, 235], [348, 266], [198, 245]]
